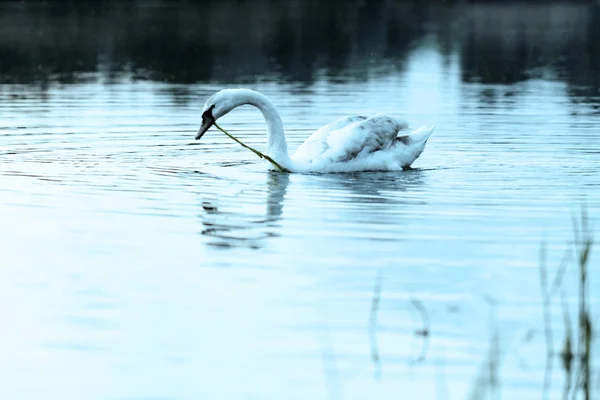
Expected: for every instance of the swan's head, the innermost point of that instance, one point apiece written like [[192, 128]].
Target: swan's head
[[215, 107]]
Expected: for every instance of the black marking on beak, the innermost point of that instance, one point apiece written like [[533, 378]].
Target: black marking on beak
[[207, 122]]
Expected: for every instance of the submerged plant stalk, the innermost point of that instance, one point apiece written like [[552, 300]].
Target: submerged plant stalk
[[258, 153]]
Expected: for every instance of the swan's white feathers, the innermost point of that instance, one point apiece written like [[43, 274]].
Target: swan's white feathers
[[350, 138], [310, 151], [339, 123], [316, 143]]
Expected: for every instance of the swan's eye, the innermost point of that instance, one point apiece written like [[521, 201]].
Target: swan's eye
[[207, 115]]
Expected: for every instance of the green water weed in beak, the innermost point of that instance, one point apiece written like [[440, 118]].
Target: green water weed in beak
[[258, 153]]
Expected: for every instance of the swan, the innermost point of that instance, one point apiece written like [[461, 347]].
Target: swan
[[348, 144]]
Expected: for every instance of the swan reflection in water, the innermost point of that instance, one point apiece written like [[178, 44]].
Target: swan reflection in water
[[365, 197], [241, 228]]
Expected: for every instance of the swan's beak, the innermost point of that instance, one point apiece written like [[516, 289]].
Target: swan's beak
[[207, 121], [205, 125]]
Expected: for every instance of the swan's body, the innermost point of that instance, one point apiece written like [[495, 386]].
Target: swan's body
[[355, 143]]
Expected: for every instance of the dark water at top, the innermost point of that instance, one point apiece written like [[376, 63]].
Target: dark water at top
[[139, 264]]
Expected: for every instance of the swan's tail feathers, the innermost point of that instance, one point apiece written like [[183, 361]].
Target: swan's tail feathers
[[409, 147], [420, 135]]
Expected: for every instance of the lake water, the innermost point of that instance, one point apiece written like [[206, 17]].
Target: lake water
[[138, 263]]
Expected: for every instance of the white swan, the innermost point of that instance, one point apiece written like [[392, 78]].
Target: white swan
[[347, 144]]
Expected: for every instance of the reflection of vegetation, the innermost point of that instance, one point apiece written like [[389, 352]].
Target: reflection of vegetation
[[576, 352], [423, 332], [375, 358], [488, 379], [575, 361], [190, 42], [241, 41], [583, 244]]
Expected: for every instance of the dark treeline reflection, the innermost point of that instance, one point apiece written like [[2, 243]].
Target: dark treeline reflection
[[191, 42], [241, 41]]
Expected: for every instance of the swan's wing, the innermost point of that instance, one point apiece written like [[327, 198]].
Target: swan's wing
[[314, 144], [354, 140], [335, 125]]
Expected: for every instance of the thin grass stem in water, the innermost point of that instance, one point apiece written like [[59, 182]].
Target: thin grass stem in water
[[547, 322], [373, 326]]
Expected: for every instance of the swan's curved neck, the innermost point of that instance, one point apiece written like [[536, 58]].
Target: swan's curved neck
[[276, 143]]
